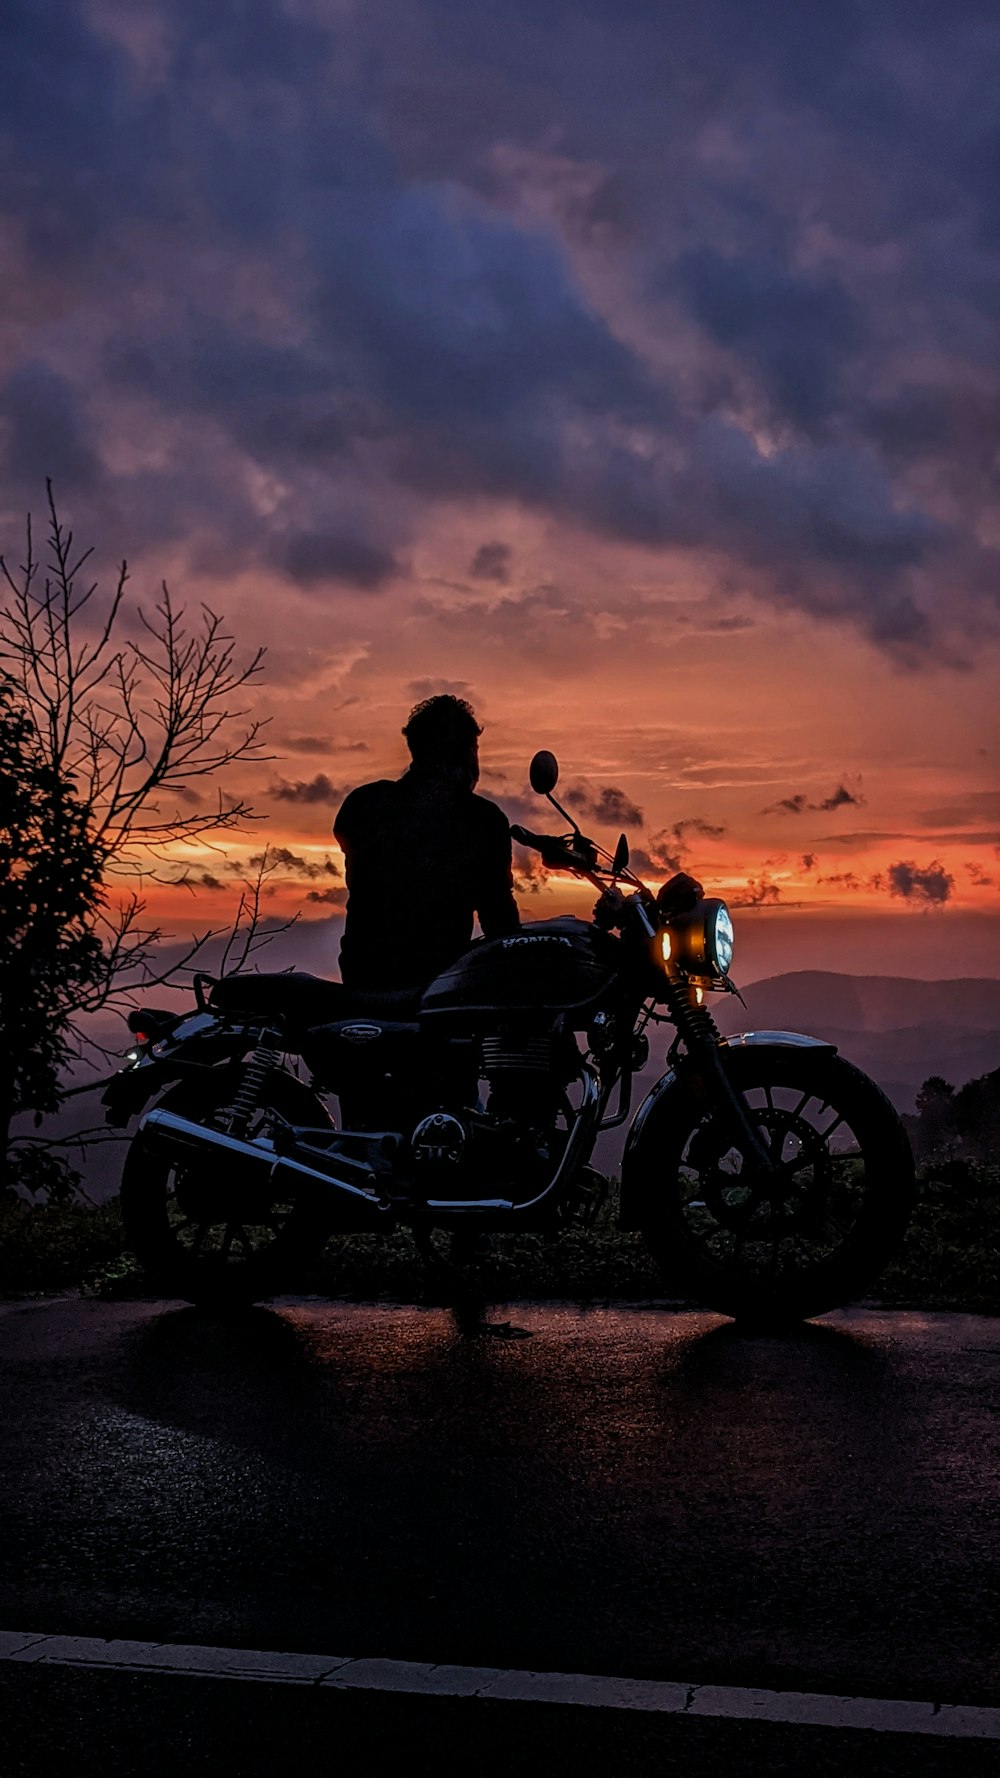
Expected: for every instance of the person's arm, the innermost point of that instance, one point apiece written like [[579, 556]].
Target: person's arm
[[498, 911]]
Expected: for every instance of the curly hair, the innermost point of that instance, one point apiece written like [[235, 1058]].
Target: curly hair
[[441, 729]]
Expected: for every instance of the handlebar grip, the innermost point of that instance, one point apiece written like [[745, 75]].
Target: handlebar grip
[[556, 852]]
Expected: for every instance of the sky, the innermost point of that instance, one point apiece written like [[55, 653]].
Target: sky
[[629, 369]]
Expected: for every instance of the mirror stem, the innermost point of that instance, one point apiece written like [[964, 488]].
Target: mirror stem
[[563, 812]]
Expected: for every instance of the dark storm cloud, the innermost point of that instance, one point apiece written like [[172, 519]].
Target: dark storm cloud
[[324, 253], [316, 557], [44, 432], [793, 329], [930, 884], [491, 562]]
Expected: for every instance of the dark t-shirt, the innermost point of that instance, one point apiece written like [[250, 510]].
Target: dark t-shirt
[[424, 855]]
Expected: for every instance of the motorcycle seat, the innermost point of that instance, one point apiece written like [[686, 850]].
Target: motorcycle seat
[[309, 999]]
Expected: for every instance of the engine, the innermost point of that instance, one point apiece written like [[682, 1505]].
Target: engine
[[513, 1136], [529, 1067]]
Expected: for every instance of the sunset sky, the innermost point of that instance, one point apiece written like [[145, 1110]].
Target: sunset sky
[[631, 369]]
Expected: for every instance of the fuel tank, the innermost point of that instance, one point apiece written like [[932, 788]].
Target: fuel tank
[[552, 966]]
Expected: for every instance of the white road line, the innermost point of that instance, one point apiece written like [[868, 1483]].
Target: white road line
[[347, 1673]]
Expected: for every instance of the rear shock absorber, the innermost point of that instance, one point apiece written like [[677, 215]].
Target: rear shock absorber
[[261, 1063]]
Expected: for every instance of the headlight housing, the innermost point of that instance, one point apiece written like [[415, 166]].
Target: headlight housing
[[699, 944]]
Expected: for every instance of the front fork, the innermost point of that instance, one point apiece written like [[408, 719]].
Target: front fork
[[697, 1027]]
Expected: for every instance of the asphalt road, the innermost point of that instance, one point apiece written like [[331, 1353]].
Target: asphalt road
[[618, 1492]]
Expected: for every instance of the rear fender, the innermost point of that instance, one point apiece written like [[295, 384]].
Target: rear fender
[[672, 1102], [201, 1043]]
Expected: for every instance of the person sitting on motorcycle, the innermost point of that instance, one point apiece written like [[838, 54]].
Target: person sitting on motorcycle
[[424, 855]]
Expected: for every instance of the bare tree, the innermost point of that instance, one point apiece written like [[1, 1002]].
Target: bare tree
[[136, 714]]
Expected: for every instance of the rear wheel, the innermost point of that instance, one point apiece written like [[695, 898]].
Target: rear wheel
[[197, 1229], [807, 1238]]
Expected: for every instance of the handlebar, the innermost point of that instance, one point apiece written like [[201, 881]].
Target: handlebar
[[561, 854], [578, 853], [540, 842]]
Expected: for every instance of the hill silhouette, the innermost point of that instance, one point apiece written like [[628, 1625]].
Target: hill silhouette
[[896, 1029]]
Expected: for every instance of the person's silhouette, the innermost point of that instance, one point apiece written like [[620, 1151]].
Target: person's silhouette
[[424, 856]]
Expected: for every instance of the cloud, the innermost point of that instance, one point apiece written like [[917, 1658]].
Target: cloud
[[668, 848], [760, 892], [310, 743], [405, 288], [491, 562], [334, 898], [312, 790], [847, 879], [808, 861], [45, 432], [281, 858], [419, 689], [607, 805], [530, 874], [315, 557], [841, 798], [792, 329], [929, 884], [972, 806]]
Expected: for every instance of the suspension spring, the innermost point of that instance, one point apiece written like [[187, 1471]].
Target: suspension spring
[[694, 1022], [256, 1071]]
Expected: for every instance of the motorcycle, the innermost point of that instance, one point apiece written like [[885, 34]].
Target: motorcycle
[[769, 1177]]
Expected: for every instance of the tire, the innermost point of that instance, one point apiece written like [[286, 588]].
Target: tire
[[841, 1209], [201, 1241]]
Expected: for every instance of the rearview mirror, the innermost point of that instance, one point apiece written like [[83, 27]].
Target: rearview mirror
[[620, 860], [543, 773]]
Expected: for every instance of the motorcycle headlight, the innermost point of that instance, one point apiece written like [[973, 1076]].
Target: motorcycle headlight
[[699, 944]]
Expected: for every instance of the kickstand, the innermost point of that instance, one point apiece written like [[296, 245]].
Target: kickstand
[[450, 1285], [454, 1289]]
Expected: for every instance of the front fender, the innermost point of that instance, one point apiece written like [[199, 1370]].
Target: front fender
[[675, 1098]]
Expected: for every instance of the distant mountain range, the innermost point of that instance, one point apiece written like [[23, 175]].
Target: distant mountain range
[[898, 1030]]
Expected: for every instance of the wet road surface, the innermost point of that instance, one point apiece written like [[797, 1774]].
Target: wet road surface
[[619, 1492]]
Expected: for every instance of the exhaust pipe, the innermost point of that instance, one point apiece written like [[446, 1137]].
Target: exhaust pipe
[[357, 1210]]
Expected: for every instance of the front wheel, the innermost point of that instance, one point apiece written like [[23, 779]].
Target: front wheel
[[809, 1236], [195, 1228]]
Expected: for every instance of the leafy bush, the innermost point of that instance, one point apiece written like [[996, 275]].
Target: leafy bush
[[47, 1247], [949, 1260]]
